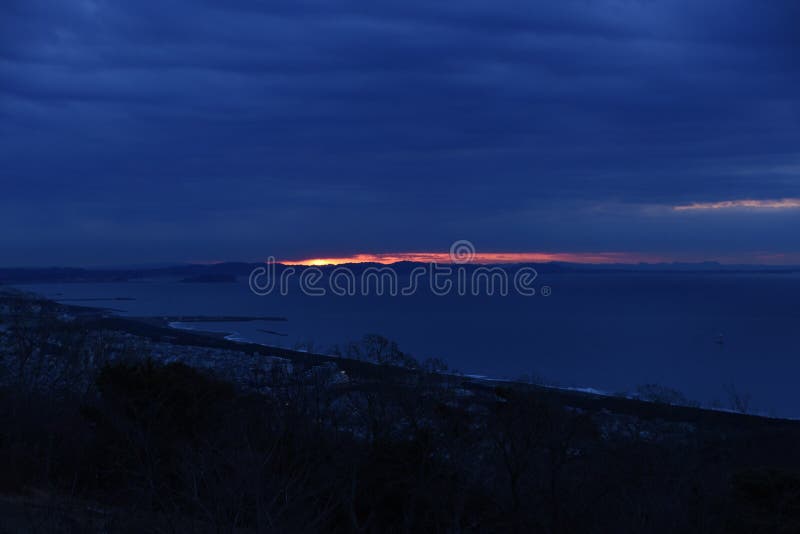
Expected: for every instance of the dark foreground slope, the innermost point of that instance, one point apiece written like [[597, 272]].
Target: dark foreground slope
[[114, 425]]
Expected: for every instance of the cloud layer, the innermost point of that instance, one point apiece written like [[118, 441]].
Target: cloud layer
[[178, 130]]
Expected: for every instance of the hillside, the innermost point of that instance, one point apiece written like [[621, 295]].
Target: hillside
[[122, 425]]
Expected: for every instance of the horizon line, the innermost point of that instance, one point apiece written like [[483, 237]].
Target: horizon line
[[473, 257], [755, 259], [585, 258]]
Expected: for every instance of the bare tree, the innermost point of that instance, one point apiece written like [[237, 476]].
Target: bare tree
[[737, 400]]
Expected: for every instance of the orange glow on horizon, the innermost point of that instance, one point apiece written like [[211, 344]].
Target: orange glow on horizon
[[480, 258]]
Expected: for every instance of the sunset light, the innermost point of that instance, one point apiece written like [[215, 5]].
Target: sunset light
[[480, 258], [779, 204]]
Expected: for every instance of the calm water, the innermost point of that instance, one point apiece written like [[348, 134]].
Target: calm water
[[607, 331]]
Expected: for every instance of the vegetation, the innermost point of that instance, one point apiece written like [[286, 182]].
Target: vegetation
[[149, 447]]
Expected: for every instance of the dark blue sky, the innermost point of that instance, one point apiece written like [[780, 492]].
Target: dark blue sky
[[137, 131]]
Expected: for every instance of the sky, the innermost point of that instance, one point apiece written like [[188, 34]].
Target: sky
[[137, 132]]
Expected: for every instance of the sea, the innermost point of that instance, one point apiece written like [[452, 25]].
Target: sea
[[703, 334]]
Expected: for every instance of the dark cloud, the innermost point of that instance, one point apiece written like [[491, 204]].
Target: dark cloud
[[191, 130]]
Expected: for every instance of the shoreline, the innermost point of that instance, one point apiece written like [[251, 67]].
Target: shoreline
[[157, 329]]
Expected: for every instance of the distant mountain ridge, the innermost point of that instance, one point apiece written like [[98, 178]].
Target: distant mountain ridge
[[229, 271]]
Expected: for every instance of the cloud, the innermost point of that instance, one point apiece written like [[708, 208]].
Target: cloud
[[195, 116], [780, 204]]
